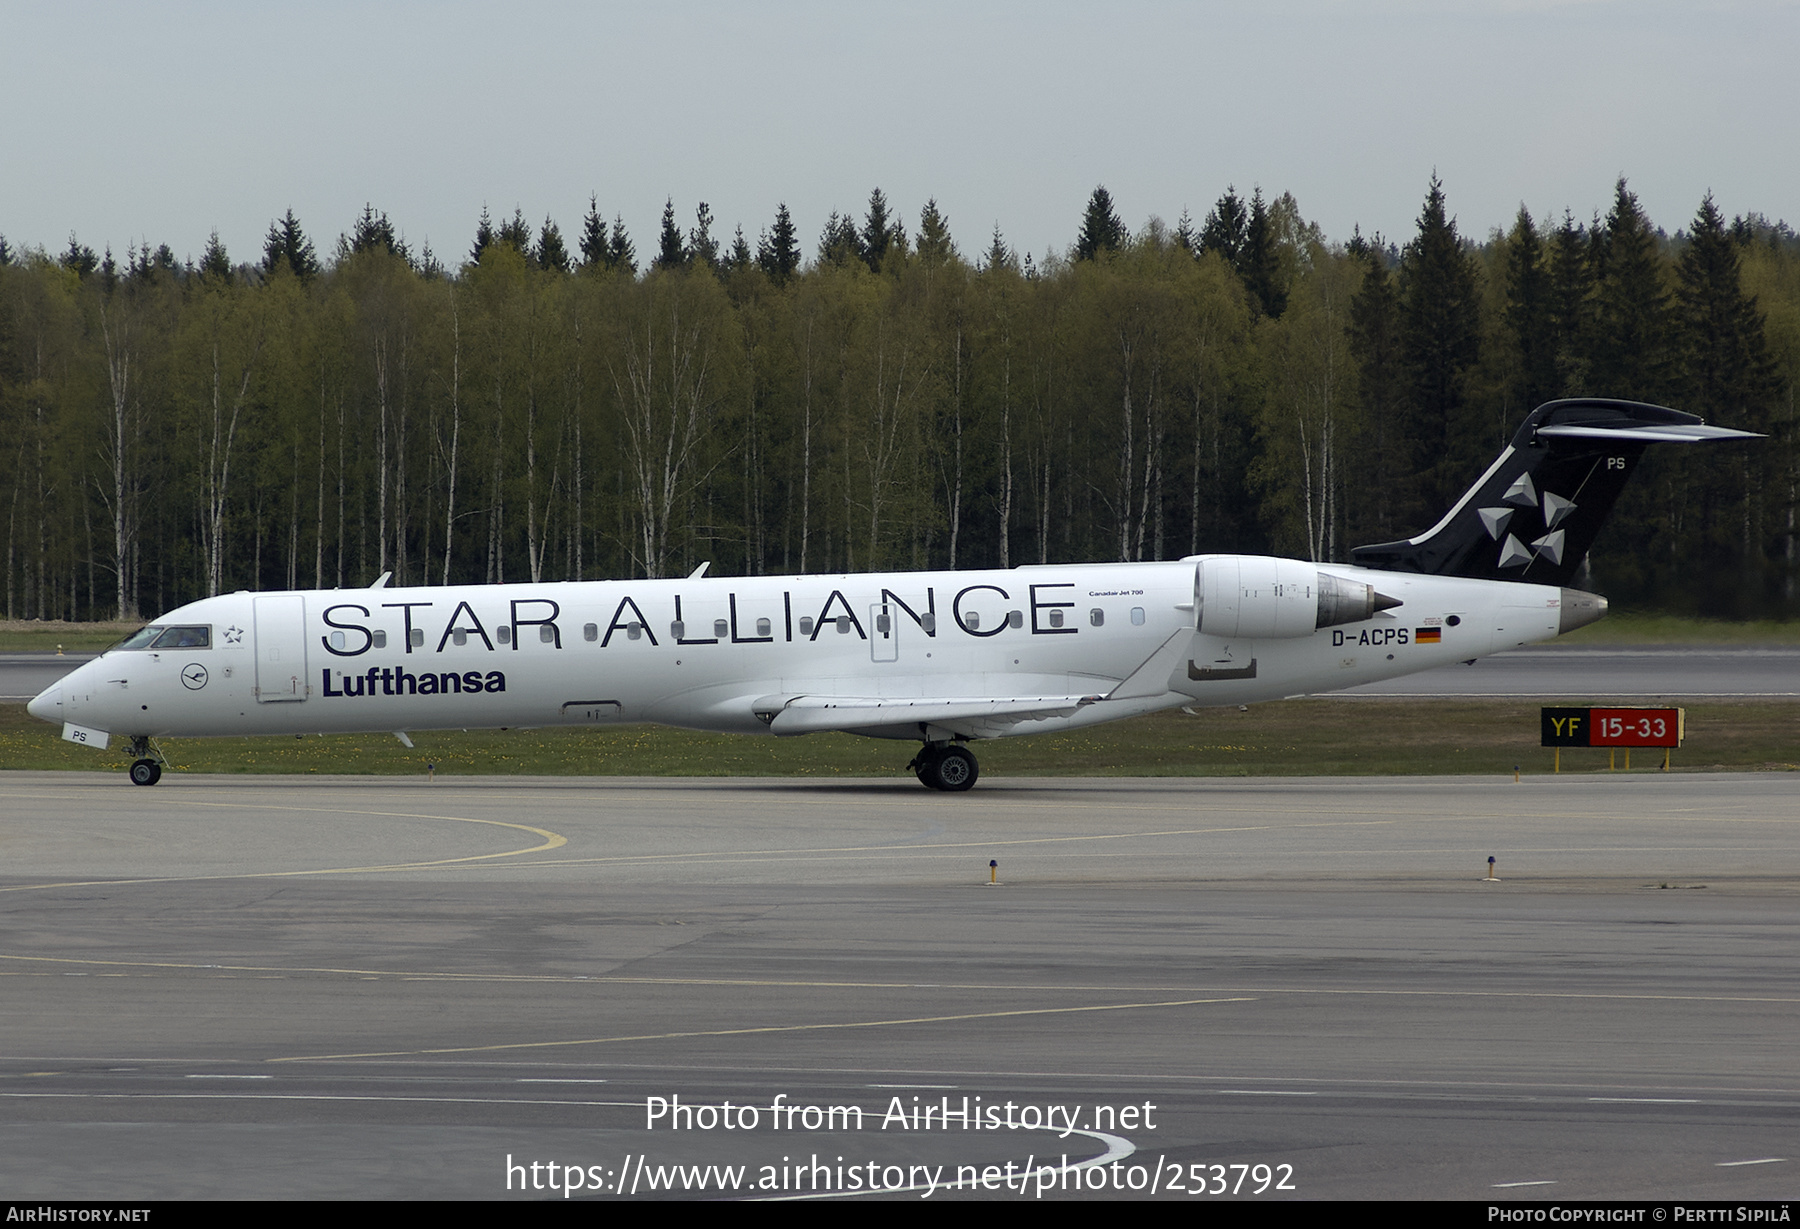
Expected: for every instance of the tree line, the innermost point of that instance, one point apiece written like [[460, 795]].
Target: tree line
[[551, 409]]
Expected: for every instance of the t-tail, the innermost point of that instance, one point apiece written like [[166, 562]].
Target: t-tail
[[1532, 517]]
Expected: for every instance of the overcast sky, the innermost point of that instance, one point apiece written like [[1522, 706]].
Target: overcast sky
[[130, 122]]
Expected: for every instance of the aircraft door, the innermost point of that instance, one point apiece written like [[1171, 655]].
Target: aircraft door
[[884, 632], [281, 648]]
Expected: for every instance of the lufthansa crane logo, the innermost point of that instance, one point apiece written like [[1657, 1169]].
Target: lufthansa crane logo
[[193, 677]]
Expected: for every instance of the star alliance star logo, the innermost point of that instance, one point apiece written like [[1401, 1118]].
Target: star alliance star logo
[[234, 634]]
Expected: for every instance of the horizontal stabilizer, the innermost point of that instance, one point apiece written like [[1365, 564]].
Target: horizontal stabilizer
[[1673, 434]]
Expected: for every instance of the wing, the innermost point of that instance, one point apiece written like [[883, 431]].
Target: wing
[[971, 717]]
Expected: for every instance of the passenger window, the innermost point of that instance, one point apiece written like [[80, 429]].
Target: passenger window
[[972, 620], [634, 631], [843, 624], [590, 631], [379, 639], [1015, 618], [881, 624], [763, 627], [806, 625], [337, 640], [1056, 618], [678, 629], [418, 637], [1137, 616], [546, 634], [459, 637], [721, 628], [503, 635], [928, 623], [1097, 617]]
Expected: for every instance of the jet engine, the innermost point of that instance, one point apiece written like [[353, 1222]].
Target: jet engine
[[1254, 596]]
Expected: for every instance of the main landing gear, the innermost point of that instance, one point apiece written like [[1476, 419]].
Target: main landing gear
[[946, 766], [147, 762]]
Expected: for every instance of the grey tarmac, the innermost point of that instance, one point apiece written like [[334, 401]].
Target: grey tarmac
[[305, 988]]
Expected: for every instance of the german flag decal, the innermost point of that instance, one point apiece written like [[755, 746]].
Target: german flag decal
[[1428, 635]]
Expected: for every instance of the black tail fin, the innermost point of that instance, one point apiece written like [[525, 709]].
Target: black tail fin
[[1534, 514]]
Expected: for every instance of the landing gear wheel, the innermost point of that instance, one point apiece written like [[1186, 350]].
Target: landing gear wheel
[[956, 769], [924, 765], [145, 772], [952, 768]]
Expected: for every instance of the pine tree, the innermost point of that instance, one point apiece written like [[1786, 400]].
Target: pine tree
[[999, 255], [80, 258], [1440, 338], [273, 253], [839, 244], [1258, 262], [779, 250], [1726, 372], [1528, 315], [594, 249], [1185, 235], [430, 267], [880, 234], [517, 232], [1571, 301], [150, 265], [6, 254], [702, 247], [1224, 229], [935, 244], [1632, 333], [141, 264], [1735, 507], [740, 257], [550, 254], [1101, 229], [374, 233], [621, 255], [672, 252], [215, 265], [484, 235], [288, 242], [1382, 387]]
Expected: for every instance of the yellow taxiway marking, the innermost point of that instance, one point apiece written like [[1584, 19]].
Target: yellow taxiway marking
[[937, 847], [767, 1028], [551, 840]]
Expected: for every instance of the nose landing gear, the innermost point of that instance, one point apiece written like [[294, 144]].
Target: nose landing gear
[[147, 763], [947, 766]]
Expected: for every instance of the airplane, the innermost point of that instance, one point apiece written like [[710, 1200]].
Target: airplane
[[943, 658]]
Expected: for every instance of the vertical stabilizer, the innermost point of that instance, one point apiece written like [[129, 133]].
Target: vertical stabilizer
[[1534, 514]]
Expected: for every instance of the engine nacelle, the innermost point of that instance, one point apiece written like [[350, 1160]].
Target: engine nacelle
[[1257, 597]]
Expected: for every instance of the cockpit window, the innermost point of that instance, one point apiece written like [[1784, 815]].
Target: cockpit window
[[184, 638], [141, 638]]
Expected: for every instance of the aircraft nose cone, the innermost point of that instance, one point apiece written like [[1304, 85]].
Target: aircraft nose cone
[[48, 704]]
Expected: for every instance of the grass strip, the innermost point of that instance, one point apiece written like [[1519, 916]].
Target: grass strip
[[1324, 737]]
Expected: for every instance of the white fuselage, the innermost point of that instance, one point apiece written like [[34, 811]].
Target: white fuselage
[[930, 655]]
